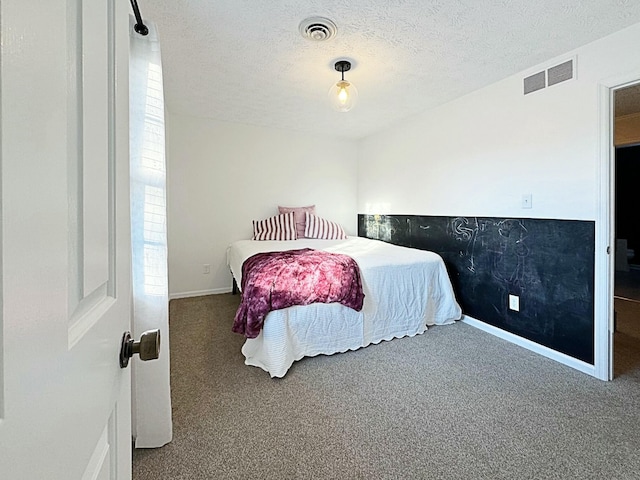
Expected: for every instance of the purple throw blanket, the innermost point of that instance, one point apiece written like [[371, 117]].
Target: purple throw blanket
[[275, 280]]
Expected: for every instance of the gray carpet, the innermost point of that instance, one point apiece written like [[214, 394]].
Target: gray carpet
[[453, 403]]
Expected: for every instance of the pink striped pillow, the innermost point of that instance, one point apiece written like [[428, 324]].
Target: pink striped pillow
[[317, 227], [298, 215], [278, 227]]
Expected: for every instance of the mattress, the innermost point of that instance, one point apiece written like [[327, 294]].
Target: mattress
[[406, 290]]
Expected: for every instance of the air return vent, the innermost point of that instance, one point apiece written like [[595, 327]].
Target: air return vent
[[534, 82], [318, 29], [554, 75], [560, 73]]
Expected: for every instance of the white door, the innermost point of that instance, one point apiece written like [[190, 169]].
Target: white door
[[64, 400]]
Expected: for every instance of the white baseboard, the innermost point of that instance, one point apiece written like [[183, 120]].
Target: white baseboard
[[533, 346], [199, 293]]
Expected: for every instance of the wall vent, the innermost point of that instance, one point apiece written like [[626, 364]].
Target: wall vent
[[534, 82], [560, 73], [552, 76]]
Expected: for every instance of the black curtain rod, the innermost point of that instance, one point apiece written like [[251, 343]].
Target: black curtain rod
[[139, 27]]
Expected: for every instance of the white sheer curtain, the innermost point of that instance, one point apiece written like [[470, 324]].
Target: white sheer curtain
[[151, 414]]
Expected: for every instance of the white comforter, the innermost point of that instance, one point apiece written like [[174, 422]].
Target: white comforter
[[405, 291]]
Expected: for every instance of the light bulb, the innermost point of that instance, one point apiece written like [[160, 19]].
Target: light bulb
[[343, 96]]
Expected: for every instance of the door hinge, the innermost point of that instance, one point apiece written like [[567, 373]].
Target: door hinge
[[609, 250]]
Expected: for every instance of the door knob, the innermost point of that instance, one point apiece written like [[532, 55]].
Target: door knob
[[148, 347]]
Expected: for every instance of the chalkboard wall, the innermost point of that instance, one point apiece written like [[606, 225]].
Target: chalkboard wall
[[549, 264]]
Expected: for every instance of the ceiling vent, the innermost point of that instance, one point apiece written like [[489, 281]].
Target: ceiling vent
[[318, 29]]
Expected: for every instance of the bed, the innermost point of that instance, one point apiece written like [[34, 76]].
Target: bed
[[406, 290]]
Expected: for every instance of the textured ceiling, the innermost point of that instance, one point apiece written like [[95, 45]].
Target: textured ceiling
[[245, 60]]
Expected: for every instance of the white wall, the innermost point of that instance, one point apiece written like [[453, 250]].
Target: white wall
[[221, 176], [475, 156], [478, 155]]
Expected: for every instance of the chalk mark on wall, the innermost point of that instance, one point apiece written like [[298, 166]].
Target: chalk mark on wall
[[475, 232]]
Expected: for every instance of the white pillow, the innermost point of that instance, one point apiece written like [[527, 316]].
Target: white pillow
[[278, 227], [317, 227]]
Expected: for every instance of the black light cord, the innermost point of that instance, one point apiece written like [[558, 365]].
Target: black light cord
[[139, 27]]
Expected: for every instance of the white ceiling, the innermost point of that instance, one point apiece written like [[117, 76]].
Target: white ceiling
[[245, 60]]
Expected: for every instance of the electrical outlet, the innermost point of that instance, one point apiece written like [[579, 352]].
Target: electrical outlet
[[206, 269], [514, 303], [527, 200]]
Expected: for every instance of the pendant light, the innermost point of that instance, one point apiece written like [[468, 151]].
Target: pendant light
[[343, 95]]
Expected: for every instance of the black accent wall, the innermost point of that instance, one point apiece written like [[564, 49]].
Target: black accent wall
[[549, 264]]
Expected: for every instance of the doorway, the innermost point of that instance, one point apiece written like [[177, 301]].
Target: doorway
[[626, 337]]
